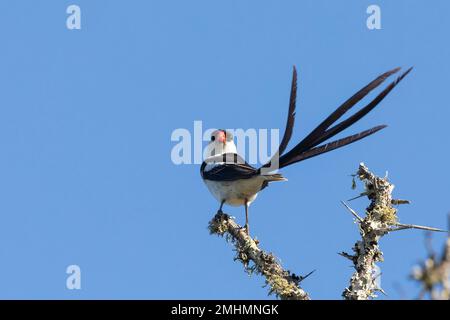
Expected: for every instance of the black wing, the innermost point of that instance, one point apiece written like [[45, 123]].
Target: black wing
[[227, 167]]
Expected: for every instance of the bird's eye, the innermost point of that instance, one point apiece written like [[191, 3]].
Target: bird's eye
[[213, 138]]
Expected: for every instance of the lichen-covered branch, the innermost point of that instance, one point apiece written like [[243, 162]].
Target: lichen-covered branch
[[434, 273], [381, 218], [282, 283]]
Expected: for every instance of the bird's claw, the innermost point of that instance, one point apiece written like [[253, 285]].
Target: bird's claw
[[247, 229]]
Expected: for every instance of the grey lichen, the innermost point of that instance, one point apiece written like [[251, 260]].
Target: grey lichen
[[380, 217], [282, 283]]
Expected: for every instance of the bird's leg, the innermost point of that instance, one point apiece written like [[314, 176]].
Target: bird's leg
[[220, 208], [247, 230]]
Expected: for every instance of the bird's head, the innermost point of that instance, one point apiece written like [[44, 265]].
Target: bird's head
[[221, 142]]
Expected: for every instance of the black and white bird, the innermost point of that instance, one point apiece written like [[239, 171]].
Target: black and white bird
[[234, 182]]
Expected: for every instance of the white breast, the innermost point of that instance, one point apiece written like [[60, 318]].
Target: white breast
[[235, 192]]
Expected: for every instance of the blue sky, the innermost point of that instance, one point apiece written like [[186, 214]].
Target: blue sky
[[86, 118]]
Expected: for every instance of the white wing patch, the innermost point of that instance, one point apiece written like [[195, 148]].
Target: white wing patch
[[212, 165]]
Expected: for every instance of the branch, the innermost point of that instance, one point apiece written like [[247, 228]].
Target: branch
[[434, 272], [381, 218], [283, 283]]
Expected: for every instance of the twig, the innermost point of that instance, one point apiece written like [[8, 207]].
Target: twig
[[283, 283]]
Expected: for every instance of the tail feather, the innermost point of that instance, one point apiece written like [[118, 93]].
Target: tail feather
[[361, 113], [331, 146], [308, 147], [271, 178], [340, 111], [274, 177]]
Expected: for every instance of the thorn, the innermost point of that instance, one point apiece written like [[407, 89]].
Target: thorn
[[346, 255], [304, 277], [382, 291], [360, 195], [402, 226], [352, 212]]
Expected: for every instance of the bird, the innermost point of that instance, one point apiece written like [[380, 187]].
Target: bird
[[233, 181]]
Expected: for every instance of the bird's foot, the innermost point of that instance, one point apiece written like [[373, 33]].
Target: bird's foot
[[247, 229]]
